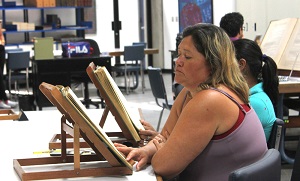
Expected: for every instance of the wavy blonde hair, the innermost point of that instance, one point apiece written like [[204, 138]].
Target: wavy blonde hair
[[218, 50]]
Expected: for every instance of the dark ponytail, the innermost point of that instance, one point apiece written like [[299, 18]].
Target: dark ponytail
[[262, 67], [270, 79]]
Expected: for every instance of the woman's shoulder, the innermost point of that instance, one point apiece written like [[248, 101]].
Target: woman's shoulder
[[259, 98], [210, 98], [218, 93]]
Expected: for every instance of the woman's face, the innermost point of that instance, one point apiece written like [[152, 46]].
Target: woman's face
[[191, 67]]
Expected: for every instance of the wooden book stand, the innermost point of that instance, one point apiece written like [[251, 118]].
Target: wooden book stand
[[9, 114], [126, 133], [77, 127], [125, 136]]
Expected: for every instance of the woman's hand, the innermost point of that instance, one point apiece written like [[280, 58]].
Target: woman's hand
[[123, 148], [138, 154], [159, 140], [149, 133], [147, 125]]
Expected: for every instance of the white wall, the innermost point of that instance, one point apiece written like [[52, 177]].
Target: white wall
[[220, 8], [258, 14], [129, 18]]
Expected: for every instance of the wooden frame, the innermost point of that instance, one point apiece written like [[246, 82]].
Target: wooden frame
[[109, 107], [124, 136], [9, 114], [76, 127]]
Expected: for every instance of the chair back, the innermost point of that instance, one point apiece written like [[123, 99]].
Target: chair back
[[266, 168], [13, 50], [134, 52], [95, 50], [140, 43], [296, 167], [276, 134], [18, 60], [157, 84]]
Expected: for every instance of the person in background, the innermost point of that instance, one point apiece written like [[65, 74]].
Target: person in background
[[211, 129], [232, 23], [5, 103], [260, 72]]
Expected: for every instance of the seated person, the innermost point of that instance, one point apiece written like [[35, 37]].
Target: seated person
[[211, 129], [260, 72], [5, 103], [232, 23]]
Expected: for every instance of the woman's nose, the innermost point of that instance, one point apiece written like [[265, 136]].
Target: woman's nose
[[178, 61]]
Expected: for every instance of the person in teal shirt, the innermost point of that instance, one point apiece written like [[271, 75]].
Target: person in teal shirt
[[260, 72]]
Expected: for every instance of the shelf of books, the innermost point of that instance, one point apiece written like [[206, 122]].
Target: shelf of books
[[48, 22]]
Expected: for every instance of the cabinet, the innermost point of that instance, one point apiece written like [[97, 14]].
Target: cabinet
[[37, 15]]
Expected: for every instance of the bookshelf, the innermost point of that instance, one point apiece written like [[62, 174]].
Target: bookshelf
[[34, 26]]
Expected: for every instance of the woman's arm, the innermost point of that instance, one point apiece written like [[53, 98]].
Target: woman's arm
[[197, 124], [144, 154]]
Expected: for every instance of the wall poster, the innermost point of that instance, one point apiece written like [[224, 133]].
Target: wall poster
[[194, 11]]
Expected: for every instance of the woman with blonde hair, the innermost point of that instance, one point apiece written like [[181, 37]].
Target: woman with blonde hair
[[211, 129]]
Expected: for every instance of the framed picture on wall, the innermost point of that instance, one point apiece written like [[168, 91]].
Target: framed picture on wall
[[194, 11]]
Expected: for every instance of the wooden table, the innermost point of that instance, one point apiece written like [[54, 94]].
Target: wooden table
[[148, 51], [289, 87]]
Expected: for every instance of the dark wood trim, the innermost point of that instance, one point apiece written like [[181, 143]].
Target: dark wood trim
[[149, 30]]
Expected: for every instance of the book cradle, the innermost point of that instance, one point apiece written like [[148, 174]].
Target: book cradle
[[128, 135], [74, 123], [129, 130]]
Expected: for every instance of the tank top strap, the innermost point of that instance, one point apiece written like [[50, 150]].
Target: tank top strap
[[184, 99], [230, 97]]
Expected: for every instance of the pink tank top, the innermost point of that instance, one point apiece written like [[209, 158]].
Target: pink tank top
[[244, 145]]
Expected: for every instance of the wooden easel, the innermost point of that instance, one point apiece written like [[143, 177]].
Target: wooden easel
[[77, 128], [123, 137], [109, 107]]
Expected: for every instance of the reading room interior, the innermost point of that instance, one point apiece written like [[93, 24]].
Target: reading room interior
[[80, 77]]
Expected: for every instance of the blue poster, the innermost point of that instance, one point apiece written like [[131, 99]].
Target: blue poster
[[194, 11]]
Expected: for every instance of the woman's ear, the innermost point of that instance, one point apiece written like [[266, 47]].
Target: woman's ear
[[242, 64]]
